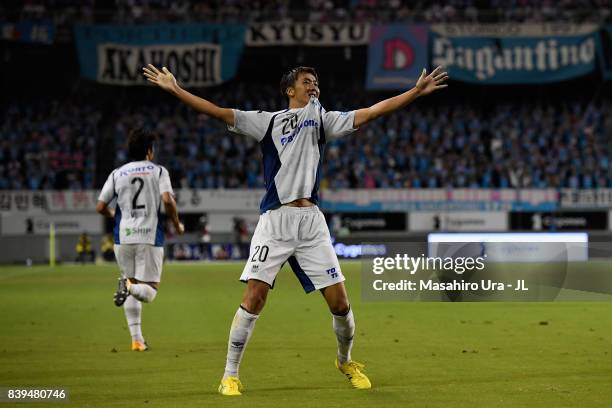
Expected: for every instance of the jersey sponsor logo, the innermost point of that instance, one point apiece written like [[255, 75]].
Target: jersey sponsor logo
[[296, 131], [137, 231], [135, 170]]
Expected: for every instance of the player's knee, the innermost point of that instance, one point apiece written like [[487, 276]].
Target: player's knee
[[340, 307], [253, 303], [150, 296], [144, 292], [337, 299], [255, 296]]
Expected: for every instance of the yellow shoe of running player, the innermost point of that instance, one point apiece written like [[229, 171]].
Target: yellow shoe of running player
[[353, 371], [230, 386], [139, 346]]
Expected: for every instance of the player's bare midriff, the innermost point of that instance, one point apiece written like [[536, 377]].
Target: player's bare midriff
[[300, 202]]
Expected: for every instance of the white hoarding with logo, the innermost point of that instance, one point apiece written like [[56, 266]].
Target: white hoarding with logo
[[522, 247], [23, 224], [458, 221]]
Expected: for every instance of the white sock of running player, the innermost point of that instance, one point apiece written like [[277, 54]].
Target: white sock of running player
[[344, 327], [240, 333], [143, 292], [133, 310]]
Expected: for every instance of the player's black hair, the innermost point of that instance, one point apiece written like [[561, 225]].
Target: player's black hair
[[291, 76], [139, 143]]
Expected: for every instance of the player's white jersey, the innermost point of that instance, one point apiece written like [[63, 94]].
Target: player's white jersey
[[138, 187], [292, 142]]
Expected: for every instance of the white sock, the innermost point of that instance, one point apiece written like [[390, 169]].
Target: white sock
[[240, 333], [344, 327], [143, 292], [133, 310]]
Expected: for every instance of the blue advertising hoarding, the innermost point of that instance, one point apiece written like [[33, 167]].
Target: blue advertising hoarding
[[197, 54]]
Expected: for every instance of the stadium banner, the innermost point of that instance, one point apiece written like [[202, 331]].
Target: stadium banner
[[36, 202], [397, 54], [458, 221], [559, 221], [42, 33], [337, 201], [308, 34], [188, 201], [605, 51], [197, 54], [585, 198], [373, 200], [517, 54], [242, 200], [24, 224]]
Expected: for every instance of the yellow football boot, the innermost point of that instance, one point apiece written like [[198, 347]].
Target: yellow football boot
[[230, 386], [353, 371]]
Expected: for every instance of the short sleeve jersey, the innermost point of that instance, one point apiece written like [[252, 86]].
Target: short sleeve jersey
[[293, 144], [138, 187]]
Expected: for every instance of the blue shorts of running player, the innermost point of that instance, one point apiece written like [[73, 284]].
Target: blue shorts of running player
[[298, 235]]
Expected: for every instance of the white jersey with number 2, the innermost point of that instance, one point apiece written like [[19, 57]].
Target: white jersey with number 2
[[137, 186]]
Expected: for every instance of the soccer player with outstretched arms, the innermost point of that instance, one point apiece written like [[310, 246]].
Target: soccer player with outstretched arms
[[291, 227], [140, 187]]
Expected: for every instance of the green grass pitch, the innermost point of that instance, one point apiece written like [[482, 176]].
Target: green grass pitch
[[59, 328]]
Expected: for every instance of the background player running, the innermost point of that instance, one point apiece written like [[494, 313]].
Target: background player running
[[139, 187], [291, 228]]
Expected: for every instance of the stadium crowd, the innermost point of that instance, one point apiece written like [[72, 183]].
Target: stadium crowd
[[48, 145], [152, 11], [427, 145]]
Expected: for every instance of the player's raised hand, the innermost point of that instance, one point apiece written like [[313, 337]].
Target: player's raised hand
[[432, 82], [164, 78]]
